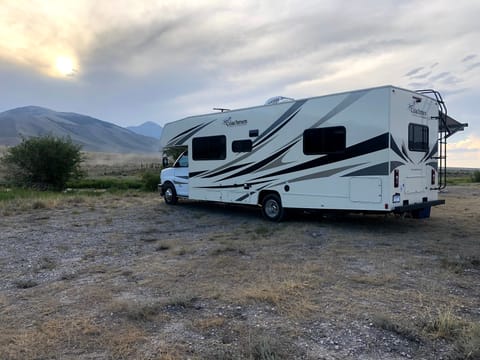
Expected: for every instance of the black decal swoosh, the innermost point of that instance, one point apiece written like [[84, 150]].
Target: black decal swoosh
[[189, 133], [260, 164], [279, 121], [195, 173], [396, 149], [375, 170], [277, 129], [395, 164], [366, 147], [226, 170], [431, 153]]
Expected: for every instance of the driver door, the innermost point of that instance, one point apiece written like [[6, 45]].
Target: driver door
[[181, 175]]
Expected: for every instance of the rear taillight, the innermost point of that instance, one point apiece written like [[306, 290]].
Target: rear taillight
[[433, 177], [396, 178]]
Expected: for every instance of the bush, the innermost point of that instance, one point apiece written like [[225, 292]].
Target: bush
[[150, 180], [44, 162], [476, 176]]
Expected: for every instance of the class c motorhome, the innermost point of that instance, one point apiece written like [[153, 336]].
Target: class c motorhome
[[381, 150]]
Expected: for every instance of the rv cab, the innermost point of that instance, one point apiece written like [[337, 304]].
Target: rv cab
[[175, 180]]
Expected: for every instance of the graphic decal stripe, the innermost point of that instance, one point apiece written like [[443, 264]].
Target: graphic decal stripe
[[259, 164], [395, 164], [375, 170], [230, 186], [320, 174], [431, 153], [396, 149], [284, 116], [196, 173], [366, 147], [277, 129], [224, 171], [189, 135], [243, 197]]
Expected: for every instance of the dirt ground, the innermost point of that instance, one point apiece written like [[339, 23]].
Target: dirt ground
[[125, 276]]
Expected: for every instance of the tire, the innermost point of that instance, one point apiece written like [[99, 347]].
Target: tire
[[272, 208], [421, 213], [169, 194]]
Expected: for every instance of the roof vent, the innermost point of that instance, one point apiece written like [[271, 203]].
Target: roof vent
[[277, 100]]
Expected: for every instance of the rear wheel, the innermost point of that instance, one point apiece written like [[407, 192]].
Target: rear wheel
[[421, 213], [272, 208], [169, 194]]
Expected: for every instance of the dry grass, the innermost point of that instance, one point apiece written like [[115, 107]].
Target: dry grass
[[123, 277], [288, 297]]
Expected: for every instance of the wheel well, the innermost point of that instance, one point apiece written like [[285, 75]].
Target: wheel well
[[167, 183], [264, 193]]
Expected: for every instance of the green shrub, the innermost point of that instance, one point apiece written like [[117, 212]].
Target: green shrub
[[150, 180], [476, 176], [43, 162]]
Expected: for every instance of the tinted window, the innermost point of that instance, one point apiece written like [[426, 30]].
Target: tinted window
[[417, 137], [209, 148], [324, 140], [242, 146]]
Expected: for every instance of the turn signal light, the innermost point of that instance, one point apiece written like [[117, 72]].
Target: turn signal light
[[396, 178]]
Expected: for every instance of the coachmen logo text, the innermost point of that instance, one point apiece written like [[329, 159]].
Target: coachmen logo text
[[416, 111], [229, 122]]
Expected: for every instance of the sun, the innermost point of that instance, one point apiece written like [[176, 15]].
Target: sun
[[65, 66]]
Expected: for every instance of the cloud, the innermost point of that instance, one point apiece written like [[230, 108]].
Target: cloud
[[465, 153], [469, 57], [414, 71], [472, 66], [164, 60]]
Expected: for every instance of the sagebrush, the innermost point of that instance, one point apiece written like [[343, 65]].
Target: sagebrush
[[45, 162]]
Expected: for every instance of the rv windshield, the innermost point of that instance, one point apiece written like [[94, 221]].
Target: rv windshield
[[182, 160]]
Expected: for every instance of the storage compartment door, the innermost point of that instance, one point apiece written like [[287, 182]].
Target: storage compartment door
[[366, 189]]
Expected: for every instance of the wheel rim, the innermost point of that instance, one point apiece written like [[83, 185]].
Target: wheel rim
[[168, 194], [272, 209]]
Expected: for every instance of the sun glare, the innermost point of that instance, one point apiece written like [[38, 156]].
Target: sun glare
[[65, 66]]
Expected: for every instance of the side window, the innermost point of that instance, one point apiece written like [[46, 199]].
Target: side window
[[417, 137], [183, 161], [209, 148], [327, 140], [242, 146]]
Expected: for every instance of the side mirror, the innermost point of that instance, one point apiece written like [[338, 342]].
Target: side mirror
[[165, 162]]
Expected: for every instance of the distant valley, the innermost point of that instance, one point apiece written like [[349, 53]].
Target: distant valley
[[93, 134]]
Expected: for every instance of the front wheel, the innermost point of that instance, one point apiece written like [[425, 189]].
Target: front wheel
[[272, 208], [169, 194]]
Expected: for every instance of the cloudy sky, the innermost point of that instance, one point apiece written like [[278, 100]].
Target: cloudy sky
[[128, 62]]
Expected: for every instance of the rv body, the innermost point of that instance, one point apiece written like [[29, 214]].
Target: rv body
[[367, 150]]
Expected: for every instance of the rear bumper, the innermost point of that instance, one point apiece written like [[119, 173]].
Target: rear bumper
[[418, 206]]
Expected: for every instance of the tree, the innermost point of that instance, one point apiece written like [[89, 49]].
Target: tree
[[45, 161]]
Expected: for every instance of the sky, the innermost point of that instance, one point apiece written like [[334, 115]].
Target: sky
[[128, 62]]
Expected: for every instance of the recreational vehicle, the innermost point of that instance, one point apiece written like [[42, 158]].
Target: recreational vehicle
[[381, 150]]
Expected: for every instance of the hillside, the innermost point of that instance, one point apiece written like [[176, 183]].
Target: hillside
[[148, 128], [93, 134]]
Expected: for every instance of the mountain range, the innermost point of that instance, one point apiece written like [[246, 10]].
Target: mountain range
[[93, 134], [148, 128]]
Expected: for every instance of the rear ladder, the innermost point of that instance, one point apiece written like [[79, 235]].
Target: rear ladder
[[443, 133]]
